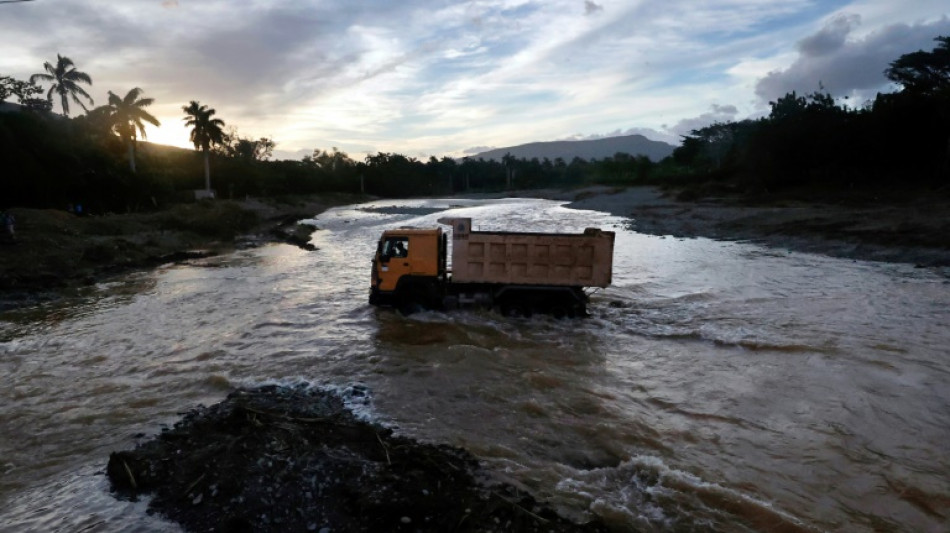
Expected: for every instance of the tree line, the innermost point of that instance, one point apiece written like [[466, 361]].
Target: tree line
[[815, 145], [53, 160], [808, 145]]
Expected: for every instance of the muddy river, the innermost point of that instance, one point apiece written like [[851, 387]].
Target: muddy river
[[716, 385]]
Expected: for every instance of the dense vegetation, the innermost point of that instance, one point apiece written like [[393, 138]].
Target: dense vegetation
[[807, 145], [813, 146]]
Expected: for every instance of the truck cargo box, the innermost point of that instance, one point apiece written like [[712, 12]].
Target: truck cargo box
[[568, 259]]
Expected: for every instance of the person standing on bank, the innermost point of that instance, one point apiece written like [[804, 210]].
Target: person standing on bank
[[9, 224]]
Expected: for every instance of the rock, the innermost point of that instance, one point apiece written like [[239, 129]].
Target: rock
[[292, 458]]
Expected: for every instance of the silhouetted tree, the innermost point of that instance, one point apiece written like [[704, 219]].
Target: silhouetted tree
[[128, 114], [509, 161], [253, 150], [23, 90], [923, 72], [206, 131], [66, 80], [788, 106]]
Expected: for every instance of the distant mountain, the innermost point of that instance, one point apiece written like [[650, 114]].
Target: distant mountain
[[595, 149]]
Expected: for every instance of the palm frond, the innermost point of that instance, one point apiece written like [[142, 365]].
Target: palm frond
[[64, 62], [79, 77], [43, 77], [132, 96]]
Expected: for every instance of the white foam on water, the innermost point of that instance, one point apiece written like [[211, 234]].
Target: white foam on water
[[644, 492]]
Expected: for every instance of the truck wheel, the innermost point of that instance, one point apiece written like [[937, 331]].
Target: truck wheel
[[516, 310], [417, 298], [408, 308]]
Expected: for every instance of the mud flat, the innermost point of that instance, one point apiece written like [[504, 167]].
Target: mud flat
[[280, 458], [915, 231]]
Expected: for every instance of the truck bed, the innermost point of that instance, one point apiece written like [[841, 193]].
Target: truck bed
[[568, 259]]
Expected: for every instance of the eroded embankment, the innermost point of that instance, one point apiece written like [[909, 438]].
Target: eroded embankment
[[296, 459]]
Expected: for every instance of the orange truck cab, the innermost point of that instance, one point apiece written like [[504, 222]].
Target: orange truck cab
[[409, 265]]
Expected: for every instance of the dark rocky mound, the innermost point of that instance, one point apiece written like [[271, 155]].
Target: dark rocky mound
[[296, 459]]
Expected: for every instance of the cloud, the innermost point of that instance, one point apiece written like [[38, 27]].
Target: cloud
[[830, 38], [477, 149], [435, 76], [669, 134], [717, 113], [848, 67], [591, 8]]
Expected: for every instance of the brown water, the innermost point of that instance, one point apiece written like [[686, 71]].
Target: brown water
[[716, 386]]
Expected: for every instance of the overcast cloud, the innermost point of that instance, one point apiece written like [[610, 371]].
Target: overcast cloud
[[436, 77]]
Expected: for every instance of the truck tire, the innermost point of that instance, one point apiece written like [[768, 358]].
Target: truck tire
[[516, 310], [413, 297]]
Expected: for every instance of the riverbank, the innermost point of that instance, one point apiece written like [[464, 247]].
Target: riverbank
[[55, 250], [914, 231]]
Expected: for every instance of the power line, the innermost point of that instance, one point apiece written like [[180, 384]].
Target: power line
[[13, 1]]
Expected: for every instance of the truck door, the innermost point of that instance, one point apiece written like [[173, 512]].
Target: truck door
[[393, 261]]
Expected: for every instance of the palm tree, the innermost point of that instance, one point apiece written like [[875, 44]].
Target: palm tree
[[509, 161], [205, 132], [66, 80], [127, 116]]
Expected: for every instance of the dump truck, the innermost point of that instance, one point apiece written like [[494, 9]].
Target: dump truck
[[513, 272]]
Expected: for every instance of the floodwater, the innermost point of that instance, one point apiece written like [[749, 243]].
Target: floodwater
[[716, 386]]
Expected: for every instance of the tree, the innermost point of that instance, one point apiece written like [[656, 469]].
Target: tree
[[23, 90], [509, 161], [330, 161], [206, 131], [66, 80], [252, 150], [128, 115], [923, 72], [789, 106]]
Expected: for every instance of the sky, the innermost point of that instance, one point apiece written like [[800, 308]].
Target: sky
[[453, 78]]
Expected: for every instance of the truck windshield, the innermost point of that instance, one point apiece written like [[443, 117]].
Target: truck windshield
[[396, 247]]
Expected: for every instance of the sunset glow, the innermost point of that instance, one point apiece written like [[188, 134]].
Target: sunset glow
[[435, 78]]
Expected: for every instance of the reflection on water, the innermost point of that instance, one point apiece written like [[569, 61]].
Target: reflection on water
[[716, 385]]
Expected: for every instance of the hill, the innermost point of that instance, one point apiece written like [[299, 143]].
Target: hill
[[595, 149]]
